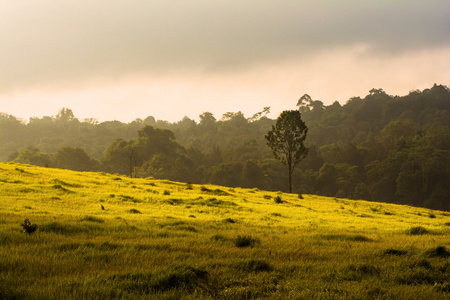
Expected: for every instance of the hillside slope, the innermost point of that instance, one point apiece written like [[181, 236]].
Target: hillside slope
[[109, 236]]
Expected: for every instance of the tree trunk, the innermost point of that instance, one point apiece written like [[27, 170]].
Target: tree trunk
[[290, 178]]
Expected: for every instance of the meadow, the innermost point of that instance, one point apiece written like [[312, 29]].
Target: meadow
[[106, 236]]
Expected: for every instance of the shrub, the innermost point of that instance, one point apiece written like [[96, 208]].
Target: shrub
[[277, 199], [166, 192], [245, 241], [134, 211], [229, 220], [28, 228]]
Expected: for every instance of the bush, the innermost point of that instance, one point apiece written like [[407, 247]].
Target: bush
[[166, 192], [28, 228], [134, 211], [278, 200]]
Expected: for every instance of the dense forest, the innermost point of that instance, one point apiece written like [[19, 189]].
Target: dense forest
[[380, 147]]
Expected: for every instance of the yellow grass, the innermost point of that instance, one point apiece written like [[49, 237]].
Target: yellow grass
[[162, 239]]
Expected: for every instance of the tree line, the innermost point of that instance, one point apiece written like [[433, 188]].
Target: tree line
[[380, 147]]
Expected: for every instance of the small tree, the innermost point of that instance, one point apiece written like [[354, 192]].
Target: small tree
[[286, 139]]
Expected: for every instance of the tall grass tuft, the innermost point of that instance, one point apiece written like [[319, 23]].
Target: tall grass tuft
[[418, 230], [246, 241]]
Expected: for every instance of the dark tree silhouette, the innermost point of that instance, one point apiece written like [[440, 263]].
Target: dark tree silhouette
[[286, 139]]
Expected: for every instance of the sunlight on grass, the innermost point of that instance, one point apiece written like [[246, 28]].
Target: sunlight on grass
[[111, 237]]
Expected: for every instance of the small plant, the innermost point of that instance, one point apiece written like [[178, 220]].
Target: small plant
[[432, 216], [166, 192], [134, 211], [278, 199], [28, 228], [300, 196], [268, 197]]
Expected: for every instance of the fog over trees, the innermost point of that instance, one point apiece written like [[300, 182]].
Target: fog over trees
[[380, 147]]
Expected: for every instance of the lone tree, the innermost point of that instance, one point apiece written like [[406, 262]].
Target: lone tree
[[286, 139]]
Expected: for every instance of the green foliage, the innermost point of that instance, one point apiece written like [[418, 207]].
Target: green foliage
[[379, 148], [287, 138]]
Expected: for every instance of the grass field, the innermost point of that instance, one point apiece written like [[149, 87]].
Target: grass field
[[104, 236]]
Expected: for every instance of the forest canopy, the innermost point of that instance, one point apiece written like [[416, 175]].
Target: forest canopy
[[380, 147]]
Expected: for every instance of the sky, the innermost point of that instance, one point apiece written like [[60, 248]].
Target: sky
[[128, 59]]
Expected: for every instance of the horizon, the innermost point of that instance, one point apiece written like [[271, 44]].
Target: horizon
[[196, 119], [122, 60]]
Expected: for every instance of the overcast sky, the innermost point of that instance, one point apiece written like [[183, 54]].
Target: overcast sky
[[122, 60]]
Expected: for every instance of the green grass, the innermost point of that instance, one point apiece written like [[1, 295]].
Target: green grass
[[102, 236]]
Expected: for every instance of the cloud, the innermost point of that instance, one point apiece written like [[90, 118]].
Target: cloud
[[117, 59], [56, 42]]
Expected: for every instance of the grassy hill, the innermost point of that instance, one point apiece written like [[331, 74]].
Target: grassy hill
[[103, 236]]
